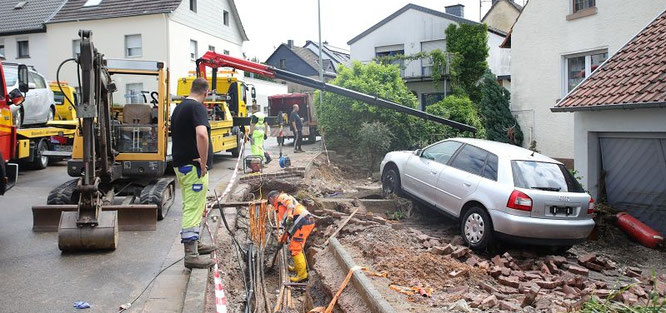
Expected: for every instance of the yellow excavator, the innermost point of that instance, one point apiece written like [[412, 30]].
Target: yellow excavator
[[119, 156]]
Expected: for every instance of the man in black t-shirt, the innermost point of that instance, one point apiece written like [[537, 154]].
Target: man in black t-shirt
[[192, 157], [297, 127]]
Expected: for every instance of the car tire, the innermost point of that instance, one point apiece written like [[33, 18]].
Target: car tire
[[40, 162], [18, 118], [51, 115], [391, 183], [476, 229]]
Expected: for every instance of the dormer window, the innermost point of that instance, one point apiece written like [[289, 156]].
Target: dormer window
[[20, 5], [92, 3]]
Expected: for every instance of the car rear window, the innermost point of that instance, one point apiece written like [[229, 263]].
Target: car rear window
[[490, 171], [59, 97], [544, 176]]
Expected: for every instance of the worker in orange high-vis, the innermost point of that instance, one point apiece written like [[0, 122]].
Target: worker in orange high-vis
[[297, 224]]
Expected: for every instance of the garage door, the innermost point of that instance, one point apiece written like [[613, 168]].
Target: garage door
[[636, 177]]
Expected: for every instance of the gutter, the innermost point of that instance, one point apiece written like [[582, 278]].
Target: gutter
[[605, 107]]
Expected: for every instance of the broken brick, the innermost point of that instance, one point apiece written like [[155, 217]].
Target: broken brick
[[519, 274], [544, 269], [443, 250], [498, 261], [457, 241], [457, 273], [509, 306], [557, 259], [532, 276], [488, 288], [423, 237], [552, 267], [549, 284], [472, 261], [510, 281], [578, 270], [506, 271], [590, 257], [378, 219], [529, 299], [593, 266], [568, 290], [495, 271], [484, 265], [460, 252], [633, 272], [602, 293], [660, 288], [489, 302], [629, 298], [507, 257]]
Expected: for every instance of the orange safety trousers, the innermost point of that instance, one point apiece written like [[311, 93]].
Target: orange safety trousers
[[283, 204]]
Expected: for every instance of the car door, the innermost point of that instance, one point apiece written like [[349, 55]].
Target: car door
[[422, 171], [461, 177], [30, 105], [44, 100]]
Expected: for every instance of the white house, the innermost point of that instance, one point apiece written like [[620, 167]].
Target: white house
[[620, 126], [23, 36], [554, 46], [176, 32], [415, 29], [502, 14]]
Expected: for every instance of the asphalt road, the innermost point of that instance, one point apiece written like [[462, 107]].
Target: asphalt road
[[36, 277]]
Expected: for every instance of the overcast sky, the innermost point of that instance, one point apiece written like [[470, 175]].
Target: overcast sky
[[269, 23]]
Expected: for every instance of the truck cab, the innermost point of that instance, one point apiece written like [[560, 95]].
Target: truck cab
[[8, 148]]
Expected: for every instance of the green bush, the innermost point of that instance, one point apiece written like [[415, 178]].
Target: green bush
[[469, 46], [459, 109], [341, 118], [494, 110], [375, 141]]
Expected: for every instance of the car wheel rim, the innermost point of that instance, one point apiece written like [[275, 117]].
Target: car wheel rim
[[43, 158], [474, 228], [388, 184]]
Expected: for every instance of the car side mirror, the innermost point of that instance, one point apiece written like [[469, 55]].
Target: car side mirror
[[16, 96], [24, 86], [418, 152]]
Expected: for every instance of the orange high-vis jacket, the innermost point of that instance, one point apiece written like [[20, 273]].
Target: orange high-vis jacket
[[287, 207]]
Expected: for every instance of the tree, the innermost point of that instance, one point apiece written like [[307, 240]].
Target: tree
[[457, 108], [494, 109], [341, 118], [374, 140], [469, 46]]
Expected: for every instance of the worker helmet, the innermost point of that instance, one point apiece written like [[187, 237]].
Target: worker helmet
[[272, 195], [259, 117]]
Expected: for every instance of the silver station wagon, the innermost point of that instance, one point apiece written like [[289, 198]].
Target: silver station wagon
[[495, 190]]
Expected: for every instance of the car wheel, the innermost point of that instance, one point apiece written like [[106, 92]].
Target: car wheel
[[18, 118], [40, 161], [51, 115], [476, 228], [391, 183]]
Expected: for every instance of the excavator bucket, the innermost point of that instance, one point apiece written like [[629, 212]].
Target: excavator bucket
[[103, 236], [131, 217]]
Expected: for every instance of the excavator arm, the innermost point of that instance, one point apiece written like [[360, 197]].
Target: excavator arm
[[215, 60]]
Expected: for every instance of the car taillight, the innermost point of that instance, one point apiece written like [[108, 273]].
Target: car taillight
[[519, 201], [590, 207]]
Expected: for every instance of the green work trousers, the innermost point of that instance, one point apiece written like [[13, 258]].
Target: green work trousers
[[193, 189]]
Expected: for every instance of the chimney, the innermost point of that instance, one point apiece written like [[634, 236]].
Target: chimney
[[290, 43], [457, 10]]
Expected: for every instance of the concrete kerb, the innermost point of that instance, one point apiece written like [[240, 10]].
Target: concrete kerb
[[363, 285]]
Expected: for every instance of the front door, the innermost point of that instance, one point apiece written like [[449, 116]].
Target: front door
[[422, 172], [461, 178]]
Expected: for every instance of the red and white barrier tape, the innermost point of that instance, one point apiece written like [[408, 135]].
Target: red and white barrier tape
[[220, 297]]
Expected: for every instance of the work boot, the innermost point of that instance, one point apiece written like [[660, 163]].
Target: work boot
[[192, 257], [301, 268], [268, 157], [203, 248]]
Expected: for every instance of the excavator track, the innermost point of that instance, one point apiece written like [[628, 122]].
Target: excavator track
[[64, 194], [160, 193]]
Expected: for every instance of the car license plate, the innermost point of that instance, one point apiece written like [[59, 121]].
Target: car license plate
[[561, 210]]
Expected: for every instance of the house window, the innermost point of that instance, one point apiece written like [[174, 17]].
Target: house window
[[133, 93], [76, 48], [431, 98], [193, 50], [283, 64], [211, 48], [390, 51], [226, 52], [133, 46], [579, 5], [23, 49], [226, 18], [193, 5], [2, 48], [578, 67], [92, 3]]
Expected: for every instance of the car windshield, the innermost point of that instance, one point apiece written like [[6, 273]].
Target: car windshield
[[544, 176], [11, 75]]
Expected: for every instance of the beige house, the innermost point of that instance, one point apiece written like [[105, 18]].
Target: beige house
[[502, 14]]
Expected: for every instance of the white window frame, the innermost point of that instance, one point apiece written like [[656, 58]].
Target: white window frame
[[588, 66], [18, 48], [194, 54], [128, 48], [76, 48]]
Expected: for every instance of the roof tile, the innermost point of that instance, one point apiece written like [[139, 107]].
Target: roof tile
[[75, 11]]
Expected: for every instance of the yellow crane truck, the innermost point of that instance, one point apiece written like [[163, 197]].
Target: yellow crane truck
[[227, 109]]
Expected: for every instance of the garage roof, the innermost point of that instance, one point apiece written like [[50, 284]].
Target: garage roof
[[635, 77]]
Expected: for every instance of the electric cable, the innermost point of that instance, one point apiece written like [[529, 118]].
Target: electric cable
[[148, 285]]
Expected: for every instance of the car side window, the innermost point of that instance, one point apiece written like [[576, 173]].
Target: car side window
[[37, 80], [490, 170], [441, 152], [470, 159]]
